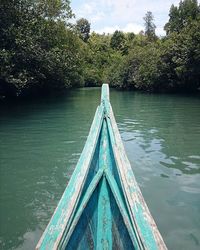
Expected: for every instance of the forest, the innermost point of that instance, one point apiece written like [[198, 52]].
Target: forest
[[42, 51]]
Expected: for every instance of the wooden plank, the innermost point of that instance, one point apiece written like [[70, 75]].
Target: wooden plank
[[143, 221], [83, 204], [105, 95], [104, 229], [125, 215], [67, 205], [124, 184]]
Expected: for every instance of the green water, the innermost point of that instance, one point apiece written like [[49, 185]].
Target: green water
[[40, 143]]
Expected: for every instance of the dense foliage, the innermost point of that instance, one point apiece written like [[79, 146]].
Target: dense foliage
[[168, 64], [41, 52]]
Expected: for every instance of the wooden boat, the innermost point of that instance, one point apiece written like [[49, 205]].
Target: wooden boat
[[102, 206]]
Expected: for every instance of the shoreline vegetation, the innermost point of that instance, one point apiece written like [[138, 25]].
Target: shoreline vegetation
[[42, 52]]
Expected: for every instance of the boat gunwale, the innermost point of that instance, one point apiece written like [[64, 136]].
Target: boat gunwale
[[133, 198], [84, 160], [151, 239]]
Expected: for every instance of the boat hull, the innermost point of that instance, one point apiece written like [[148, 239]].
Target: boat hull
[[102, 206]]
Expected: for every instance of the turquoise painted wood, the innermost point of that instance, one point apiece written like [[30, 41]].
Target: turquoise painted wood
[[102, 206]]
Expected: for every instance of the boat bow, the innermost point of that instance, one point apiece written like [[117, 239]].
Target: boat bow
[[102, 206]]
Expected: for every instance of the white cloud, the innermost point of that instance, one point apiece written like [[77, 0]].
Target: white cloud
[[99, 16], [108, 29], [86, 9], [126, 15], [130, 27], [133, 27], [120, 7], [160, 31]]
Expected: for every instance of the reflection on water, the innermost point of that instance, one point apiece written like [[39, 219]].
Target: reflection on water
[[41, 143]]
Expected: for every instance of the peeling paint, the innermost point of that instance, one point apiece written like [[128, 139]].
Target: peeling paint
[[93, 210]]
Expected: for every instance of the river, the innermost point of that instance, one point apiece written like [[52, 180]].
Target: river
[[41, 141]]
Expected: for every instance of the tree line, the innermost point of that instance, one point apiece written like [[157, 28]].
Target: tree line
[[41, 52]]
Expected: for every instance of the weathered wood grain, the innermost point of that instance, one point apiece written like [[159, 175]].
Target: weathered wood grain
[[147, 230], [102, 206], [61, 218]]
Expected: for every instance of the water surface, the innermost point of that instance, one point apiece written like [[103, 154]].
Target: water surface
[[41, 141]]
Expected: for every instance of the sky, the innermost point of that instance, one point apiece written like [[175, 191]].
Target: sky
[[126, 15]]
